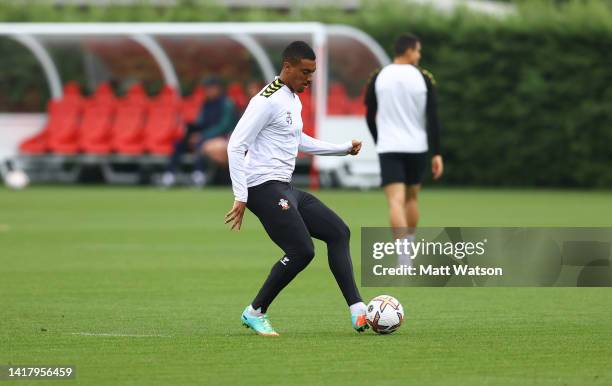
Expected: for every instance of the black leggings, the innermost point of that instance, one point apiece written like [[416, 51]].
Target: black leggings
[[291, 217]]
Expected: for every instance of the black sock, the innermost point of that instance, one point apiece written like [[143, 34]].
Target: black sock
[[340, 263]]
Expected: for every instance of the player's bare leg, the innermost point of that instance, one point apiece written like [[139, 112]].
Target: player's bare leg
[[412, 207], [411, 212], [397, 199], [216, 150]]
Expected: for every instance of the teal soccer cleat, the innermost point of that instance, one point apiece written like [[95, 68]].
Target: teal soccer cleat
[[360, 323], [260, 324]]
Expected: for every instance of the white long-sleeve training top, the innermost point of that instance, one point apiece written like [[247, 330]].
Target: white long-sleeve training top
[[402, 95], [266, 140]]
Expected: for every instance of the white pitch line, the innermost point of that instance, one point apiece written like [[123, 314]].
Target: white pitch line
[[119, 335]]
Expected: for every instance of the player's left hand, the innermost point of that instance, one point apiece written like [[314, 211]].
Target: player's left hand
[[235, 215], [356, 147]]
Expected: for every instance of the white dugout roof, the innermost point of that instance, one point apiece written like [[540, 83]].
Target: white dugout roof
[[252, 36]]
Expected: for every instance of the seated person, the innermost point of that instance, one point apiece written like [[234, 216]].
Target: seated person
[[207, 136]]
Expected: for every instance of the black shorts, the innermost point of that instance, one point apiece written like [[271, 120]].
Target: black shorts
[[407, 168]]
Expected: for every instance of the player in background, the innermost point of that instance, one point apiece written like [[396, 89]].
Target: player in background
[[207, 136], [402, 117], [262, 152]]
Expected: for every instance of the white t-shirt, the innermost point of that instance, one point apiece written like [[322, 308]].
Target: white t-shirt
[[270, 134], [401, 93]]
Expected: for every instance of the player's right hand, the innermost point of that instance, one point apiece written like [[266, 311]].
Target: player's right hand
[[234, 216], [437, 166]]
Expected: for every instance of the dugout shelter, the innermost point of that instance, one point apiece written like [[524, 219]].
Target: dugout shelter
[[129, 135]]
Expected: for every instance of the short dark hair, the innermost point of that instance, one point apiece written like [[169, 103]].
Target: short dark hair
[[297, 51], [404, 42]]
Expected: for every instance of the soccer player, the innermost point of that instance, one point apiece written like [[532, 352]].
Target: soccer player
[[262, 152], [402, 117]]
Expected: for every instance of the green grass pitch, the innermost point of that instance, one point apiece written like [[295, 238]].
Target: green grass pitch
[[138, 286]]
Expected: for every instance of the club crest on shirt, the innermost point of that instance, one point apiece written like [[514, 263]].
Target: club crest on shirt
[[284, 204], [288, 119]]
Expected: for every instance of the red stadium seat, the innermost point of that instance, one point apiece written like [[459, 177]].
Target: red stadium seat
[[236, 93], [337, 100], [127, 132], [191, 105], [62, 119], [72, 92], [128, 129], [104, 94], [164, 123], [307, 112], [167, 95], [38, 143], [136, 94], [96, 125], [63, 129], [164, 126], [357, 105], [34, 145]]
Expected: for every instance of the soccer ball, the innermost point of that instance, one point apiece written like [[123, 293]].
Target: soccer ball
[[16, 180], [384, 314]]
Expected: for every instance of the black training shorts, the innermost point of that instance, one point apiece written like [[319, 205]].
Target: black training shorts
[[407, 168]]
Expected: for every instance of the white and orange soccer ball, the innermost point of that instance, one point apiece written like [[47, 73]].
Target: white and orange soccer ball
[[385, 314]]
